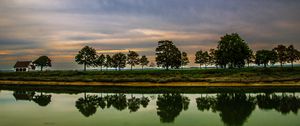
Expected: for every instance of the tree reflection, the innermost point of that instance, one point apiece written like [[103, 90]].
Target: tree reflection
[[145, 101], [134, 104], [169, 106], [87, 105], [119, 101], [42, 99], [205, 103], [234, 108], [284, 103]]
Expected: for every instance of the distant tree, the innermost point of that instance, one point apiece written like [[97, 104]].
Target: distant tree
[[119, 61], [264, 57], [292, 55], [87, 105], [86, 56], [144, 61], [133, 59], [201, 57], [232, 51], [167, 55], [184, 59], [100, 61], [281, 51], [212, 57], [108, 62], [250, 58], [42, 62]]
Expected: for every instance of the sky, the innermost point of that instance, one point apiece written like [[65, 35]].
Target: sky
[[60, 28]]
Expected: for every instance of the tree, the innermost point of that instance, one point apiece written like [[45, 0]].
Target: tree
[[144, 61], [281, 54], [133, 59], [100, 61], [108, 62], [184, 59], [87, 105], [250, 58], [292, 55], [42, 100], [201, 57], [232, 51], [264, 57], [86, 56], [119, 61], [212, 57], [167, 55], [43, 61]]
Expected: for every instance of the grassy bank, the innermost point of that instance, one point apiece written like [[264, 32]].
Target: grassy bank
[[244, 75]]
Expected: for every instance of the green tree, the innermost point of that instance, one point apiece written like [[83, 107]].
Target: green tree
[[281, 51], [100, 61], [201, 57], [108, 62], [42, 100], [119, 61], [184, 59], [232, 51], [42, 62], [144, 61], [250, 58], [212, 57], [87, 105], [264, 57], [133, 59], [167, 55], [86, 56], [292, 55]]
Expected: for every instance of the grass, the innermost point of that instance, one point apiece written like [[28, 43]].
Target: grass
[[244, 75]]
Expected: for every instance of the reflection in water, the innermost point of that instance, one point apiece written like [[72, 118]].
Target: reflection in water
[[284, 103], [169, 106], [41, 99], [234, 108], [87, 105]]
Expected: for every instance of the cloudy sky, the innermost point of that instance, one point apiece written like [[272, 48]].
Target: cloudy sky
[[60, 28]]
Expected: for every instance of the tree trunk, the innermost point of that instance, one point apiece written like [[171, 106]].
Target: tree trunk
[[292, 62], [281, 64], [142, 67], [101, 68], [200, 65], [41, 68], [131, 67], [265, 65]]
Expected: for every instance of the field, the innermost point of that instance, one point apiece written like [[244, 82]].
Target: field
[[244, 75]]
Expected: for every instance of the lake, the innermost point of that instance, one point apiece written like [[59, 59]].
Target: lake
[[29, 107]]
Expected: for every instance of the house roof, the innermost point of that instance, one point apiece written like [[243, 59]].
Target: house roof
[[22, 64]]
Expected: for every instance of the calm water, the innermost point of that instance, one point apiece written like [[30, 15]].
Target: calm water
[[33, 108]]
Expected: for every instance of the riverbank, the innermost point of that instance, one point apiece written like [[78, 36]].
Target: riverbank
[[184, 77]]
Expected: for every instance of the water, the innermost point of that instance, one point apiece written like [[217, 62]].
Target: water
[[36, 108]]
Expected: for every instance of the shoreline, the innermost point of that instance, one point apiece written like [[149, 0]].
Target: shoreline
[[151, 84]]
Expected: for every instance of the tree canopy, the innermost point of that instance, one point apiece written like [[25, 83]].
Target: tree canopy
[[144, 61], [167, 55], [133, 59], [232, 51], [43, 61], [265, 57], [119, 60], [100, 61], [184, 59], [86, 56], [201, 57]]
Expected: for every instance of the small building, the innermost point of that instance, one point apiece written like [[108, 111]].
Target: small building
[[23, 66]]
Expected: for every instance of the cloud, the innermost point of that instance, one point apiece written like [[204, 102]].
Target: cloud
[[60, 28]]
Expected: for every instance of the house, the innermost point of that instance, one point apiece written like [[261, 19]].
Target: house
[[24, 66]]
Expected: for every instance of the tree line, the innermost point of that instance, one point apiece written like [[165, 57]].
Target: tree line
[[88, 57], [232, 52]]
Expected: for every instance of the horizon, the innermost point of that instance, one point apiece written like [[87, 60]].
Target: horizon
[[60, 28]]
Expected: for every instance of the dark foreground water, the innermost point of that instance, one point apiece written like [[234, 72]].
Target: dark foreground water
[[38, 108]]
